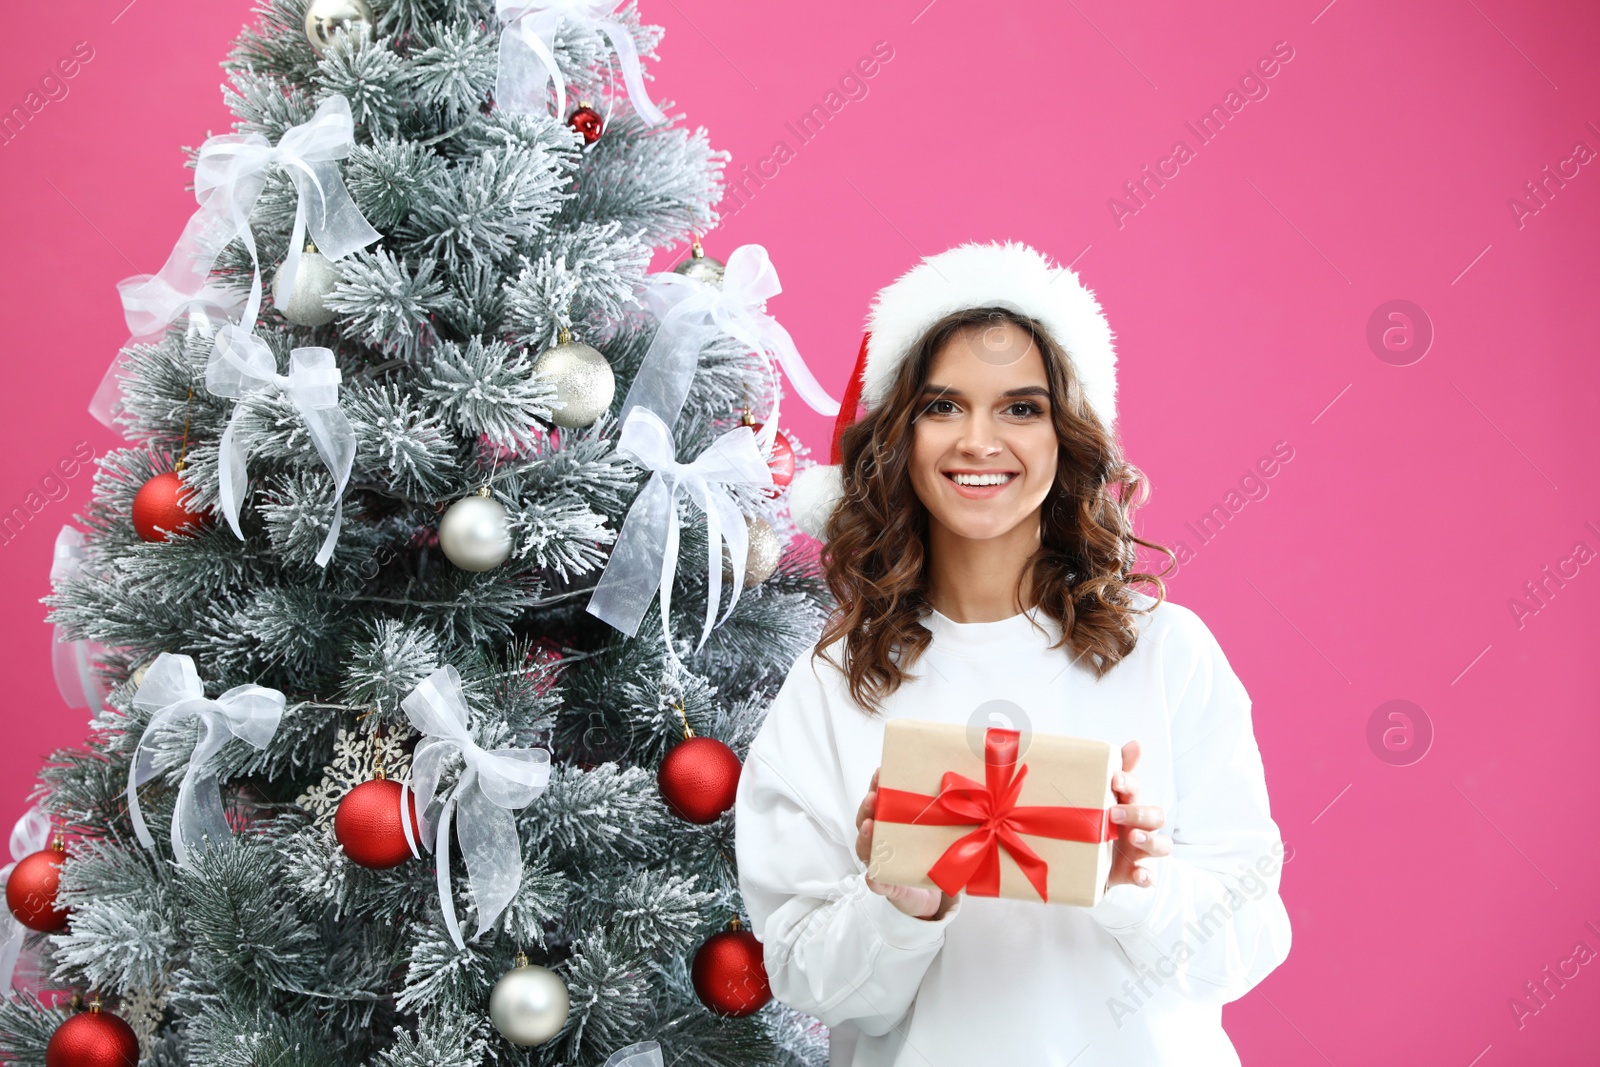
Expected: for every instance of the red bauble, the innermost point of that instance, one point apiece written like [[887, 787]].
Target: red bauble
[[586, 120], [699, 778], [729, 975], [160, 508], [782, 462], [31, 891], [92, 1039], [368, 824]]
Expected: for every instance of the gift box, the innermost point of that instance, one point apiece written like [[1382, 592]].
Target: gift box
[[964, 809]]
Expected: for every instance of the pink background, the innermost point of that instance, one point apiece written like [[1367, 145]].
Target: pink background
[[1380, 565]]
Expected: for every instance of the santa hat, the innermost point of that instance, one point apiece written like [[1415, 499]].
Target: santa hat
[[1010, 275]]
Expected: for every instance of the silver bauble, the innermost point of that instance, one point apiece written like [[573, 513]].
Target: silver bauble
[[528, 1004], [700, 267], [304, 305], [475, 534], [327, 19], [582, 379], [765, 551]]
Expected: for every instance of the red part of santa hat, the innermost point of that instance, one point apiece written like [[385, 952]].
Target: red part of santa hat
[[1010, 275]]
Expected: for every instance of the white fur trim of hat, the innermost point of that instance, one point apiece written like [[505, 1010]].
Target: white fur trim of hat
[[1009, 274]]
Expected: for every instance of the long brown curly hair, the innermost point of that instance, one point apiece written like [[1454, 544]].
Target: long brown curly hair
[[876, 552]]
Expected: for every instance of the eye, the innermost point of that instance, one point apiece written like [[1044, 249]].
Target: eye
[[941, 406], [1024, 409]]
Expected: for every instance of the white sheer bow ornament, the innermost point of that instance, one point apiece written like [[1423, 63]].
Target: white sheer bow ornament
[[692, 311], [30, 834], [493, 784], [149, 303], [242, 364], [527, 54], [230, 173], [172, 691], [645, 557], [73, 661], [643, 1054]]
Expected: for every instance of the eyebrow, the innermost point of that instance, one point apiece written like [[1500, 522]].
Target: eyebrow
[[1026, 390]]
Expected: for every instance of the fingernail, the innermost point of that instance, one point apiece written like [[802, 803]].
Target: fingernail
[[1144, 879], [1137, 837], [1119, 814]]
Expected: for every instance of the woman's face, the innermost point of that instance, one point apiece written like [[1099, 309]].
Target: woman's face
[[984, 445]]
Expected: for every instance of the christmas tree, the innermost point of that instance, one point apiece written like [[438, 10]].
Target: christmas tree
[[441, 584]]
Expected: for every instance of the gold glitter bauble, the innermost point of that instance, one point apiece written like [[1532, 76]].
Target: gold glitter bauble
[[582, 379], [327, 19], [765, 551]]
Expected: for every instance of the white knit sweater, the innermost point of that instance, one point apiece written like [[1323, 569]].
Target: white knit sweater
[[1139, 979]]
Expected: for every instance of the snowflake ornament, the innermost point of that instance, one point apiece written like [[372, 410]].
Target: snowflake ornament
[[353, 763], [142, 1010]]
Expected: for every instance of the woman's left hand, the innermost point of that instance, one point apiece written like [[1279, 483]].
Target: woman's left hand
[[1135, 823]]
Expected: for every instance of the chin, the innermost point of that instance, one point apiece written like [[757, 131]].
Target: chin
[[980, 527]]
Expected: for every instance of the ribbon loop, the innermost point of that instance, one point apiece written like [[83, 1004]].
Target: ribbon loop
[[691, 311], [73, 661], [172, 691], [493, 784], [645, 557], [150, 303], [642, 1054], [972, 862], [241, 364], [527, 54]]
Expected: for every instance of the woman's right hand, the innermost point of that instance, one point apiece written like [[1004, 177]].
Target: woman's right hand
[[914, 901]]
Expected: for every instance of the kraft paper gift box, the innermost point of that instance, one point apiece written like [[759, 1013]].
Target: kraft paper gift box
[[961, 808]]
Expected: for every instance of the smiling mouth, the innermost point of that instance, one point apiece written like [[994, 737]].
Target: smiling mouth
[[980, 479]]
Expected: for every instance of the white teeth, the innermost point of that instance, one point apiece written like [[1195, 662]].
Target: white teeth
[[981, 479]]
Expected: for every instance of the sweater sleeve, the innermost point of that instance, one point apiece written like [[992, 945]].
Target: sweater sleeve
[[832, 948], [1213, 924]]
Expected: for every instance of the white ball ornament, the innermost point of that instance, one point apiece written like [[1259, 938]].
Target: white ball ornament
[[475, 534], [582, 380], [529, 1004], [304, 303]]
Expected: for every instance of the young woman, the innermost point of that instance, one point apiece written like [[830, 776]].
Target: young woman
[[980, 549]]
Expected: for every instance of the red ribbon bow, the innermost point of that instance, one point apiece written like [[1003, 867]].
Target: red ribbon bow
[[973, 861]]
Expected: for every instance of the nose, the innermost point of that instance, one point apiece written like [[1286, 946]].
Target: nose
[[979, 438]]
